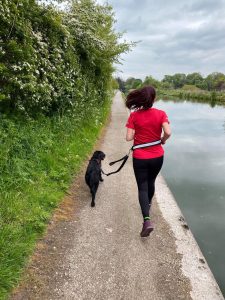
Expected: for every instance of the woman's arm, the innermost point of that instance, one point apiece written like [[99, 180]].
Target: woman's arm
[[130, 134], [166, 132]]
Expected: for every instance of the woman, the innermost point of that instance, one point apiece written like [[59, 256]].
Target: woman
[[145, 125]]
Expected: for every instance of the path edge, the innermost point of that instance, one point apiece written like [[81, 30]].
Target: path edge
[[194, 265]]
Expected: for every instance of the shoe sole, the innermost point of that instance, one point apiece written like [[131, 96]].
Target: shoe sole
[[146, 232]]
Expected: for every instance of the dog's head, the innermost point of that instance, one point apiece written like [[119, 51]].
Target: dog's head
[[99, 155]]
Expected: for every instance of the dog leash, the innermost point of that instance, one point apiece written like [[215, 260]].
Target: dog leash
[[125, 158]]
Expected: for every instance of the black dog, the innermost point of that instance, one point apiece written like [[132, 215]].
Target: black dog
[[93, 174]]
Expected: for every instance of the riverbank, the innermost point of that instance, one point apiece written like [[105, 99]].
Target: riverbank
[[194, 264], [201, 96]]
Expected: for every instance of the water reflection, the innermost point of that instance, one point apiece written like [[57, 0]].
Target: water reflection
[[195, 170]]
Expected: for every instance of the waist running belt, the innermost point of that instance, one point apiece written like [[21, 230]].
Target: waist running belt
[[125, 158]]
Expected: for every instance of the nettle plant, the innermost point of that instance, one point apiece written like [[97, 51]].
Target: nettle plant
[[55, 60]]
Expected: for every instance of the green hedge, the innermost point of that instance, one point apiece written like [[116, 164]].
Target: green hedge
[[55, 61]]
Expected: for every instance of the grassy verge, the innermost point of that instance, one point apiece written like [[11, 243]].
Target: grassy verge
[[202, 96], [37, 161]]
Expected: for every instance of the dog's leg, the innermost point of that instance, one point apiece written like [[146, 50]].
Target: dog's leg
[[100, 176], [93, 193], [93, 199]]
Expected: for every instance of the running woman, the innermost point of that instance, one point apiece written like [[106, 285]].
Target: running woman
[[144, 125]]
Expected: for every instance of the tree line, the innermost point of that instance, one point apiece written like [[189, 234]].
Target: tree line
[[193, 81]]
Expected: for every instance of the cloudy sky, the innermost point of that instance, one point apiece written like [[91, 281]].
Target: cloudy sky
[[176, 36]]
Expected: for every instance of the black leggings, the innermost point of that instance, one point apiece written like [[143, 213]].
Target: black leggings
[[146, 171]]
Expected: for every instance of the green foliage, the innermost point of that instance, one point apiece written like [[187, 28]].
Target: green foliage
[[50, 60], [114, 84], [166, 85], [190, 87], [214, 81], [193, 82], [149, 80], [195, 79], [196, 94], [177, 80], [132, 83]]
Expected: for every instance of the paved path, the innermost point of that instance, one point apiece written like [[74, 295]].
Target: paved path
[[97, 253]]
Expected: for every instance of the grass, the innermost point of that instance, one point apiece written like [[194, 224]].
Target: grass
[[38, 160]]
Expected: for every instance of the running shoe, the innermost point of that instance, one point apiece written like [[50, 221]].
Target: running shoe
[[147, 228]]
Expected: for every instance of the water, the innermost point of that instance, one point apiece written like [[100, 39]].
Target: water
[[194, 169]]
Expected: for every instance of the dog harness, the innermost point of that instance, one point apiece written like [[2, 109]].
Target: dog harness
[[125, 158]]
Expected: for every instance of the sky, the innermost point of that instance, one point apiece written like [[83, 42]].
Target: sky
[[176, 36]]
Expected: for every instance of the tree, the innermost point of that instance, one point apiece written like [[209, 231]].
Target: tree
[[177, 80], [149, 80], [137, 83], [132, 83], [166, 85], [219, 82], [215, 81], [195, 79]]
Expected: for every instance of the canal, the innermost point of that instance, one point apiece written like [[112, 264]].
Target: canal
[[194, 169]]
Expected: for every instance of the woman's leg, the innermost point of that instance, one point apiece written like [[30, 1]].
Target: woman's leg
[[146, 171], [154, 167], [141, 174]]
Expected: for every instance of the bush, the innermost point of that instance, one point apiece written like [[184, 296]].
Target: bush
[[191, 88], [55, 61]]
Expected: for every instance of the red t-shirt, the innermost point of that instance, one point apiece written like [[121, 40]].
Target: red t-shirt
[[148, 128]]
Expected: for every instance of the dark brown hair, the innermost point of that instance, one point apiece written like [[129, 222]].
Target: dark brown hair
[[141, 98]]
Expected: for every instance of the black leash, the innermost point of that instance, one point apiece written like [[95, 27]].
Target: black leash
[[125, 158]]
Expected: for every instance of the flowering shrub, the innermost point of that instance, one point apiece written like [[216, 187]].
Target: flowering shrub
[[55, 60]]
